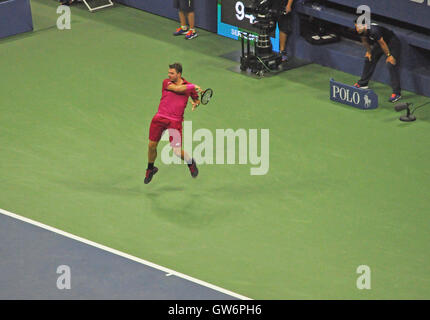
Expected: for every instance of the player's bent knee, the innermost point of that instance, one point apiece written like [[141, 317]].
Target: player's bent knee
[[152, 144], [177, 151]]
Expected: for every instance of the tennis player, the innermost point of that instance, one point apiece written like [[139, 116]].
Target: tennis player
[[174, 98]]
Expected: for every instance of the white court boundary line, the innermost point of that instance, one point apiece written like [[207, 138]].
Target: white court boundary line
[[124, 255]]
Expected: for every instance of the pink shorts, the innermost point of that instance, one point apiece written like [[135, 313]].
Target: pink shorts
[[159, 124]]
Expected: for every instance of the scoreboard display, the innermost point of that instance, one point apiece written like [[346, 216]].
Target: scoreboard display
[[416, 12], [232, 20], [233, 13]]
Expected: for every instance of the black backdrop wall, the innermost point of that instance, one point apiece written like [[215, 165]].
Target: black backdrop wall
[[205, 10]]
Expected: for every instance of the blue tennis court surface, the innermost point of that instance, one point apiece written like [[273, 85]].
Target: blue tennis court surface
[[30, 257]]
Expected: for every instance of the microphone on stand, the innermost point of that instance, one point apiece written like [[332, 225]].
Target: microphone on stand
[[401, 106], [405, 106]]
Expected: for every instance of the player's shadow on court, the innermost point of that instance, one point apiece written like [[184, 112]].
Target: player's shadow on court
[[178, 204], [193, 208], [173, 205]]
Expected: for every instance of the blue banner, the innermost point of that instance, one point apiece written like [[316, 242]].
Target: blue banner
[[352, 96]]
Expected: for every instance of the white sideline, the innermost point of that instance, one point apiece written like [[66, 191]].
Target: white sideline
[[124, 255]]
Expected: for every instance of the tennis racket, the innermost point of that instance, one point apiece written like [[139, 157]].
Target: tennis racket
[[206, 96]]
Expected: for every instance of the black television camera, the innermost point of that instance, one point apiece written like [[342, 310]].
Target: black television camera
[[264, 13], [263, 59]]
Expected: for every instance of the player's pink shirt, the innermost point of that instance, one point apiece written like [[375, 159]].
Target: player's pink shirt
[[172, 104]]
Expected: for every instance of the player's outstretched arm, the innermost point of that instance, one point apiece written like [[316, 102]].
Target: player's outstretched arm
[[178, 89], [183, 88]]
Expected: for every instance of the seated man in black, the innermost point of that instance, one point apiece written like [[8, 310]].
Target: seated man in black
[[388, 44]]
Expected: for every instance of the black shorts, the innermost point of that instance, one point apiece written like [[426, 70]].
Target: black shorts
[[285, 23], [184, 5]]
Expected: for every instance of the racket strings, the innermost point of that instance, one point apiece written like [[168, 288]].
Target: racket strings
[[206, 96]]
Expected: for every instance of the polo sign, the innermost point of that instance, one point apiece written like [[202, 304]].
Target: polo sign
[[352, 96]]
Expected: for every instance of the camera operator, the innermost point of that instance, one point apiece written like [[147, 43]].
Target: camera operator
[[285, 22]]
